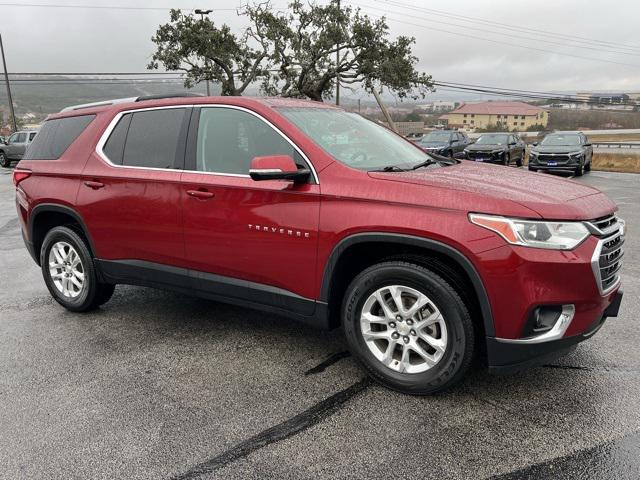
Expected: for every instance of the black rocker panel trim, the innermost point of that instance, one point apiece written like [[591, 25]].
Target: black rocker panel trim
[[425, 243], [216, 287]]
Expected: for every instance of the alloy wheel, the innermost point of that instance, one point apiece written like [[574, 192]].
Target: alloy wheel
[[66, 270], [403, 329]]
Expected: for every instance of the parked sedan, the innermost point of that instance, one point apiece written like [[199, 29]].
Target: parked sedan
[[568, 151], [502, 148], [447, 143]]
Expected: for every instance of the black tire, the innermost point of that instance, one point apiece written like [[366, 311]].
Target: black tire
[[93, 293], [579, 170], [507, 159], [520, 159], [450, 154], [531, 169], [587, 167], [459, 351], [4, 160]]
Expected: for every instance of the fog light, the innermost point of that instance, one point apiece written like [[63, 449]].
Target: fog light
[[542, 319]]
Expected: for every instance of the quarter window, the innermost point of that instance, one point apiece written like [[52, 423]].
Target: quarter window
[[228, 139], [56, 136]]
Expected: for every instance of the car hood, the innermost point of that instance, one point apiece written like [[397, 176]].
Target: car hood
[[498, 189], [557, 149], [485, 147]]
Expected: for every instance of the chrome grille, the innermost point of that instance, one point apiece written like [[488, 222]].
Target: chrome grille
[[607, 257]]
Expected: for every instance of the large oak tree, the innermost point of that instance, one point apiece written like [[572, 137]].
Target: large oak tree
[[292, 53]]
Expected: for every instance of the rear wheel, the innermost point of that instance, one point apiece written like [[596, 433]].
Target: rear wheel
[[408, 327], [4, 160], [69, 273]]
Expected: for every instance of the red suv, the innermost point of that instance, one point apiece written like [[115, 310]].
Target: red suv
[[306, 210]]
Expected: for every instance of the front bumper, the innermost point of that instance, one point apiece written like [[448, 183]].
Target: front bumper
[[504, 357]]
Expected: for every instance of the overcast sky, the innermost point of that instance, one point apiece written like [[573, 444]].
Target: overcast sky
[[39, 39]]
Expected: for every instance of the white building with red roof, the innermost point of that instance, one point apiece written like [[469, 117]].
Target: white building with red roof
[[518, 116]]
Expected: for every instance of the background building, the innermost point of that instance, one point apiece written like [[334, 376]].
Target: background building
[[510, 115]]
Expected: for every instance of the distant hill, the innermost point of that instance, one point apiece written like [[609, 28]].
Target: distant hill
[[48, 97]]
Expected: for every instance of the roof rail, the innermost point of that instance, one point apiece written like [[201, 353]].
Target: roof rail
[[99, 104], [160, 96]]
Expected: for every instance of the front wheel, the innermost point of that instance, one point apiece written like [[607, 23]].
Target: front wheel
[[4, 160], [579, 170], [520, 159], [507, 159], [69, 273], [408, 327]]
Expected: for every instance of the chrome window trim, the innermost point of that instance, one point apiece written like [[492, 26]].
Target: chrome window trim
[[107, 133], [556, 333]]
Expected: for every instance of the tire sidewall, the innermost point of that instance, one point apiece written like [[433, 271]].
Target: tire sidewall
[[4, 160], [86, 298], [453, 359]]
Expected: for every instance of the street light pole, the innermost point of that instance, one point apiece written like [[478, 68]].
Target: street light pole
[[6, 79], [337, 70], [202, 13]]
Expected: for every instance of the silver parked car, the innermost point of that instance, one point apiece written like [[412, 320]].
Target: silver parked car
[[13, 149]]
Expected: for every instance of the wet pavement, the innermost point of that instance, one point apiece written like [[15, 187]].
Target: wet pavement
[[160, 385]]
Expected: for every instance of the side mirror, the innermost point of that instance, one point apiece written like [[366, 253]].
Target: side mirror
[[535, 144], [277, 167], [587, 144]]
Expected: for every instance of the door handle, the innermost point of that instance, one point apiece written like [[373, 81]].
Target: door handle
[[201, 194], [94, 185]]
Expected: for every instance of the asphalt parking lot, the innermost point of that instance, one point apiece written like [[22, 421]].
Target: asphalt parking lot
[[159, 385]]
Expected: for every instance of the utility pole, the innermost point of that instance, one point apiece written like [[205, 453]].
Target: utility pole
[[338, 71], [202, 13], [6, 79], [385, 112]]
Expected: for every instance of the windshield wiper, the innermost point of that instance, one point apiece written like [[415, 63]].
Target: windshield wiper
[[389, 168], [426, 163]]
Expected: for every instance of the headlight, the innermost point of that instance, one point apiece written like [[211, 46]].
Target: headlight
[[536, 234], [575, 154]]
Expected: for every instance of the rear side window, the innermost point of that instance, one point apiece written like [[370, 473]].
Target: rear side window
[[56, 136]]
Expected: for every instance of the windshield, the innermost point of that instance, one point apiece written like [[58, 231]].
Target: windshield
[[554, 140], [354, 140], [493, 139], [440, 137]]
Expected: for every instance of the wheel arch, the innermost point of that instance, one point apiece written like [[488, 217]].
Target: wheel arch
[[46, 216], [413, 244]]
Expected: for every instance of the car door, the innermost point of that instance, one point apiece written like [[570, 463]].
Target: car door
[[253, 240], [17, 145], [129, 196]]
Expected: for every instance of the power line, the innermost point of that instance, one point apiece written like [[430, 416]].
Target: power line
[[510, 35], [478, 20], [527, 47], [98, 7], [69, 74], [498, 92]]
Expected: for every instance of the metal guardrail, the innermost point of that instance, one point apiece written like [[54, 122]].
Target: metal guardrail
[[615, 144]]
